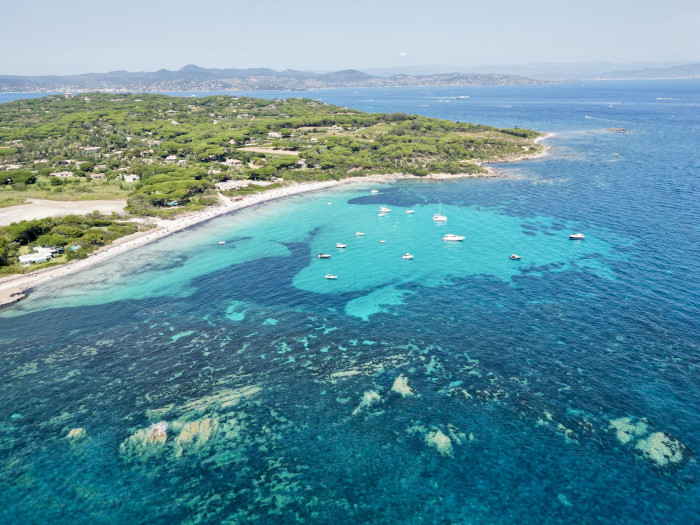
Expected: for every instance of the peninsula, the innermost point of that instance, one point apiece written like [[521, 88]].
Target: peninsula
[[166, 157]]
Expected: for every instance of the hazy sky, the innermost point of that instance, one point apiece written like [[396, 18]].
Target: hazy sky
[[40, 37]]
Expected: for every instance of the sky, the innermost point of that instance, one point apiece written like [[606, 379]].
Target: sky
[[59, 37]]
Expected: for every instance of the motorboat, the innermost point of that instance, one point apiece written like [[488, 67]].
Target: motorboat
[[407, 256], [384, 209], [340, 245], [323, 256], [453, 237], [331, 276], [410, 211], [515, 257], [577, 236], [359, 234], [381, 215], [374, 191], [382, 242], [222, 242]]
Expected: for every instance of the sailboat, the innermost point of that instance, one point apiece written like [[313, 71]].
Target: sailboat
[[439, 216]]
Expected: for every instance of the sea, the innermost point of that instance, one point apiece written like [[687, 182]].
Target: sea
[[190, 381]]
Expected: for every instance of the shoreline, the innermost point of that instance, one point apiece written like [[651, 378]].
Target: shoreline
[[14, 288]]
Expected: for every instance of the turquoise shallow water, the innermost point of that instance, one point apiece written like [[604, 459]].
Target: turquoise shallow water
[[457, 387]]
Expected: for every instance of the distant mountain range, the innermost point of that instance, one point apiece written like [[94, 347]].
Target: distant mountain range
[[194, 78], [558, 71], [684, 71]]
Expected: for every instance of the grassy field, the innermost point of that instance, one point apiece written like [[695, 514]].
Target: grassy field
[[80, 190]]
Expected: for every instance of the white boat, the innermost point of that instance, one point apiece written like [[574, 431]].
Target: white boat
[[384, 209], [407, 256], [382, 242], [381, 215], [515, 257], [410, 211], [331, 276], [340, 245], [374, 191], [453, 237], [222, 242], [577, 236], [439, 216], [359, 234], [323, 256]]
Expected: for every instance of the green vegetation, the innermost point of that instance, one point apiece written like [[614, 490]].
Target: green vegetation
[[78, 235], [156, 150], [165, 155]]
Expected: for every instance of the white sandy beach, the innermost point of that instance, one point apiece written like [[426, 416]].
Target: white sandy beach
[[14, 287]]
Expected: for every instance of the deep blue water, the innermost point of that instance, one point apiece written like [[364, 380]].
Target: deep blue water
[[561, 388]]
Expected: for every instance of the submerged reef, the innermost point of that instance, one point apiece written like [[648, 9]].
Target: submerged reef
[[401, 386], [195, 434], [660, 449], [76, 434], [439, 441], [368, 399]]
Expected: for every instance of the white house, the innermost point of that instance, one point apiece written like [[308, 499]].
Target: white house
[[274, 135], [40, 255]]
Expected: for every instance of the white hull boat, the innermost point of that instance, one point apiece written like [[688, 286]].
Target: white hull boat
[[453, 237]]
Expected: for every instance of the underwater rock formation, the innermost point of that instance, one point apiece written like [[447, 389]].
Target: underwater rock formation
[[195, 434], [401, 386], [145, 442], [658, 448], [439, 441], [661, 449], [369, 398], [76, 434]]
